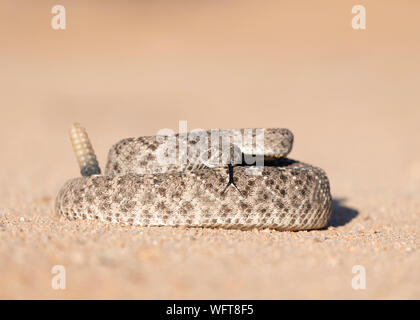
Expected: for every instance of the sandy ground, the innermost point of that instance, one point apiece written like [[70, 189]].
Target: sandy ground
[[127, 69]]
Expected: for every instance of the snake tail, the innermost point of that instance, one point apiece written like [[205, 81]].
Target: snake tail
[[84, 152]]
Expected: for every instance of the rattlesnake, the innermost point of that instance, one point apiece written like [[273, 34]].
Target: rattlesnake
[[138, 190]]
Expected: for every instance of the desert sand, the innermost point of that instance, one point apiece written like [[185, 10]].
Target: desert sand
[[124, 69]]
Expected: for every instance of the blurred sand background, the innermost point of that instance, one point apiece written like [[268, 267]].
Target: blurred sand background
[[130, 68]]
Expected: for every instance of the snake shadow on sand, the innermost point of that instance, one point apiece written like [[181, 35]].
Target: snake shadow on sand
[[341, 214]]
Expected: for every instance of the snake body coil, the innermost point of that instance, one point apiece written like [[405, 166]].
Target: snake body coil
[[137, 189]]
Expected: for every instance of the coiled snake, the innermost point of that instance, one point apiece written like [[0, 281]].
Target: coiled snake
[[137, 189]]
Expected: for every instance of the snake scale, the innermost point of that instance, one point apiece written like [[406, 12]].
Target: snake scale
[[137, 189]]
